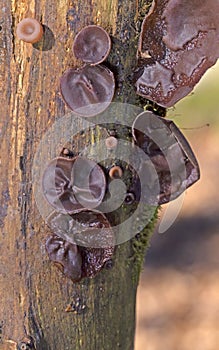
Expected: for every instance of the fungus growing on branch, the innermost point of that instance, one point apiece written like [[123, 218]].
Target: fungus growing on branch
[[92, 45], [179, 41], [70, 185], [29, 30], [89, 90]]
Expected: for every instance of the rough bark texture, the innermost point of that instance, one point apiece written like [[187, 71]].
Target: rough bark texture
[[33, 293]]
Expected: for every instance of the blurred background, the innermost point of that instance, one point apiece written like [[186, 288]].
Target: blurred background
[[178, 295]]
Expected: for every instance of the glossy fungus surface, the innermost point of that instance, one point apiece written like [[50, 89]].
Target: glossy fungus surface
[[29, 30], [86, 228], [94, 260], [83, 243], [115, 172], [66, 256], [70, 185], [89, 90], [169, 153], [179, 41], [92, 45]]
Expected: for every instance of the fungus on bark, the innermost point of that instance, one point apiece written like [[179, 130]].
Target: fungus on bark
[[92, 45], [29, 30], [86, 228], [115, 172], [82, 243], [70, 185], [179, 41], [89, 90], [66, 256], [169, 153]]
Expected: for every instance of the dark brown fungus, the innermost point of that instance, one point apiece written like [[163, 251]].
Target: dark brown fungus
[[115, 172], [94, 259], [66, 256], [86, 228], [29, 30], [92, 45], [96, 240], [89, 90], [70, 185], [169, 153], [92, 233], [186, 19], [179, 41]]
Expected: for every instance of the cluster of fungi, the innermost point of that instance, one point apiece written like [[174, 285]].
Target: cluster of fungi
[[89, 90], [178, 43], [84, 240]]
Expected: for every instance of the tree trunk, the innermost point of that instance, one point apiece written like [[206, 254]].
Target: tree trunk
[[34, 295]]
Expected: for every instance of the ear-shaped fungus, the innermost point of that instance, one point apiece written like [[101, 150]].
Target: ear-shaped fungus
[[92, 233], [66, 256], [169, 153], [92, 45], [70, 185], [179, 41], [88, 90], [29, 30], [86, 228]]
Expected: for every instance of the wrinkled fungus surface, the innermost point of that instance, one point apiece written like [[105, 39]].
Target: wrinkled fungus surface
[[70, 185], [29, 30], [83, 243], [66, 256], [86, 228], [179, 41], [169, 153], [89, 90], [92, 45]]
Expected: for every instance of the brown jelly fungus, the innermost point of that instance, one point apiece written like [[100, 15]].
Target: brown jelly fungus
[[89, 90], [94, 259], [96, 240], [169, 153], [179, 41], [86, 228], [70, 185], [92, 45], [29, 30], [66, 256], [83, 244], [115, 172]]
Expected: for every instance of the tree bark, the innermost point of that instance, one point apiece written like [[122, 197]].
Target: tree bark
[[34, 295]]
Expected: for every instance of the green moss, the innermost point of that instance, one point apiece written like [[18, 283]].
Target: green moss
[[140, 243]]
